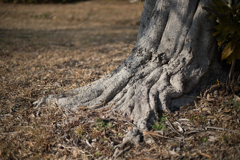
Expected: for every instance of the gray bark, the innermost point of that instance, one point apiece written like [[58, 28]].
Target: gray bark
[[174, 50]]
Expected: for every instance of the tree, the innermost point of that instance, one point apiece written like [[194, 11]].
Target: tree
[[174, 51]]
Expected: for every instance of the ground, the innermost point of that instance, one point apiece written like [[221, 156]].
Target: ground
[[50, 49]]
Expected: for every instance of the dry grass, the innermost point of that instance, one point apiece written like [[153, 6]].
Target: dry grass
[[49, 49]]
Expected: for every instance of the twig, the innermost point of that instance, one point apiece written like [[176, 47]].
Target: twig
[[223, 129], [123, 151], [205, 155], [174, 130], [213, 87], [69, 148], [88, 143]]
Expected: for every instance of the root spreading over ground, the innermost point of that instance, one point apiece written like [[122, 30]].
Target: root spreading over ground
[[50, 57]]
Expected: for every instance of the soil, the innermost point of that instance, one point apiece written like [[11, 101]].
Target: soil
[[52, 48]]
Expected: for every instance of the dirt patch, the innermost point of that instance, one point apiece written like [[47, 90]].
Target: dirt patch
[[50, 49]]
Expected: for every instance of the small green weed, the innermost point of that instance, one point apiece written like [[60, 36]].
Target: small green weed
[[193, 118], [235, 105], [80, 131], [198, 118], [83, 136], [120, 134], [97, 154], [159, 124], [204, 139], [94, 66], [101, 124]]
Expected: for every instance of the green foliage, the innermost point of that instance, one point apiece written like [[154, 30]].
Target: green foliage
[[80, 130], [120, 134], [159, 124], [102, 124], [236, 105], [97, 154], [204, 139], [40, 1], [227, 13]]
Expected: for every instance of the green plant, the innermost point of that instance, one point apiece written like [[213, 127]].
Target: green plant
[[101, 124], [120, 134], [83, 136], [97, 154], [204, 139], [227, 13], [94, 66], [226, 138], [193, 117], [159, 124], [202, 118], [80, 131], [235, 105]]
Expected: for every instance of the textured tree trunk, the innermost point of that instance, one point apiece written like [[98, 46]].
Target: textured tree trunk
[[174, 50]]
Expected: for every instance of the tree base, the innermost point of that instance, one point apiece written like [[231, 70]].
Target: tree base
[[174, 51]]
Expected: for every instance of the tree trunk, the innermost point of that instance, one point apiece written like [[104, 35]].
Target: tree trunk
[[174, 50]]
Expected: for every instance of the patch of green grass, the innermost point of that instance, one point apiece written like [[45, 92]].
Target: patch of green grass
[[94, 66], [159, 124], [204, 139], [202, 118], [97, 154], [193, 117], [80, 131], [235, 105], [2, 112], [120, 134], [102, 124]]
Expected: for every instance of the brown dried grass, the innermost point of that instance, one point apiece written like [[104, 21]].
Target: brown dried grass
[[49, 49]]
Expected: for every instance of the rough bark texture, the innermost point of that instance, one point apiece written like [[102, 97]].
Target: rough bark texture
[[173, 52]]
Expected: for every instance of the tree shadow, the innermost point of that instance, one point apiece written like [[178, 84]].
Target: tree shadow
[[30, 40]]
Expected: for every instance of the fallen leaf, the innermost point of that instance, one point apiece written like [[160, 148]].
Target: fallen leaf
[[30, 144], [183, 120], [212, 138], [129, 128], [208, 96], [227, 111], [226, 117], [178, 125], [205, 155], [75, 153], [150, 133], [172, 153], [210, 117], [236, 98]]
